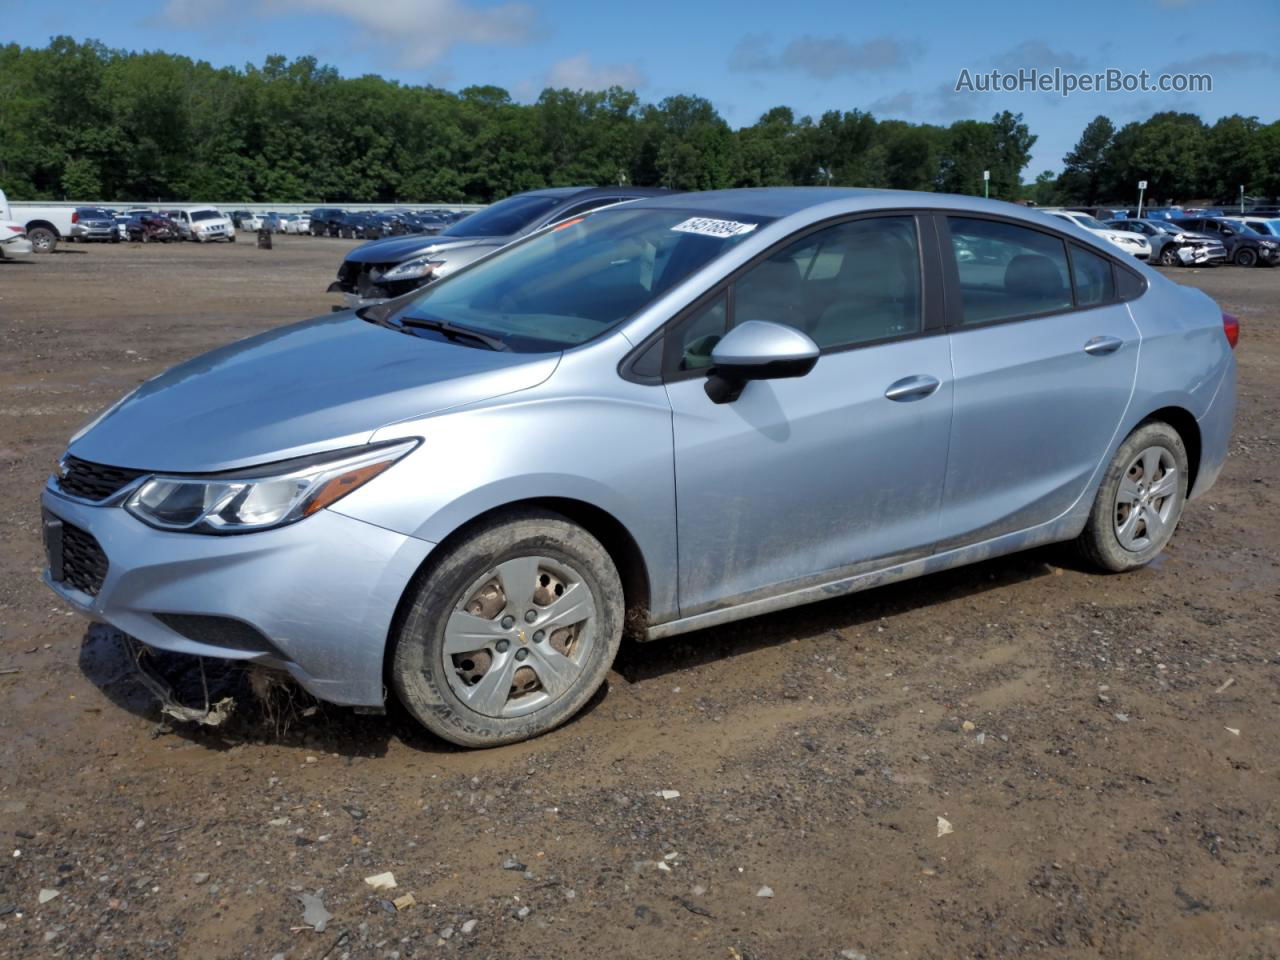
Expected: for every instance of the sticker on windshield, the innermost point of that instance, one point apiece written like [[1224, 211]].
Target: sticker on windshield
[[707, 227]]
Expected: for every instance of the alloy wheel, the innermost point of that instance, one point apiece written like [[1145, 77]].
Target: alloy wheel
[[1147, 499]]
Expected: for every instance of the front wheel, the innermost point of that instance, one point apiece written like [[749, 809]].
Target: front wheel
[[1245, 257], [511, 632], [1169, 256], [1139, 502]]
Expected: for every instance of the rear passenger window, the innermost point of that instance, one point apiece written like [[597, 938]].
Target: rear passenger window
[[1092, 274], [852, 283], [1007, 271]]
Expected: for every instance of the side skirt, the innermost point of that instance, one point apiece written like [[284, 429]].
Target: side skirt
[[1064, 528]]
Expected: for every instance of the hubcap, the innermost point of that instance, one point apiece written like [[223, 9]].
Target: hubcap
[[519, 637], [1146, 499]]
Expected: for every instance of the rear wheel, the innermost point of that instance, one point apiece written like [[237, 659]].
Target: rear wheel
[[43, 240], [1139, 502], [1245, 257], [511, 633]]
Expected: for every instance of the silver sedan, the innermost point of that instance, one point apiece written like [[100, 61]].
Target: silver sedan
[[657, 417]]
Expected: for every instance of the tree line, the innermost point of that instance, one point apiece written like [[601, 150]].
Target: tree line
[[82, 121]]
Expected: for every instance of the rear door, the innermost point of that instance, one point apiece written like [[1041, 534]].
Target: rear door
[[1045, 357], [809, 479]]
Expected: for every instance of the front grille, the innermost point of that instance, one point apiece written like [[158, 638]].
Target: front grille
[[93, 481], [84, 565]]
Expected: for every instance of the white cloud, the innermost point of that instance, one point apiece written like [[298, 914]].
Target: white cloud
[[900, 104], [579, 73], [822, 57], [416, 32]]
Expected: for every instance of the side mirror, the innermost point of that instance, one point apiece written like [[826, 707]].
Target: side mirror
[[757, 350]]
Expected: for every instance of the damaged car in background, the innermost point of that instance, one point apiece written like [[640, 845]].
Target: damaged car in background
[[1172, 245], [393, 266], [665, 415]]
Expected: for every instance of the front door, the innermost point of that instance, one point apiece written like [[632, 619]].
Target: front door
[[803, 480]]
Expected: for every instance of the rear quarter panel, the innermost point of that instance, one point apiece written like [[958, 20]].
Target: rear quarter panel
[[1185, 362]]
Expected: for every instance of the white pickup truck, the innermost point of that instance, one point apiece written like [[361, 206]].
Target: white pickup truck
[[13, 235], [45, 223]]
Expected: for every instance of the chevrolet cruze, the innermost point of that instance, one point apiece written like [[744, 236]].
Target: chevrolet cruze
[[655, 417]]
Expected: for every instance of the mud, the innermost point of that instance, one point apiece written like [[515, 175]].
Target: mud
[[1111, 795]]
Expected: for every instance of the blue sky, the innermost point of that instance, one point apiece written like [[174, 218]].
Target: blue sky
[[897, 59]]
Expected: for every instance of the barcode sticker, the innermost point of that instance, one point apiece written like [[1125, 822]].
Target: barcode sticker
[[707, 227]]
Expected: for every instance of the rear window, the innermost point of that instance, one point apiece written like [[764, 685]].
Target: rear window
[[1008, 271], [1092, 274]]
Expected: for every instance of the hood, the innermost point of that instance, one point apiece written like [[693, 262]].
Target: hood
[[400, 249], [314, 386], [1202, 237]]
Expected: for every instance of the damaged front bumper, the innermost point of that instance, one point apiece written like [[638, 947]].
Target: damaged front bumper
[[1198, 255], [315, 598]]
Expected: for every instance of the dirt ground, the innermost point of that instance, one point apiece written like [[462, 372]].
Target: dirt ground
[[1106, 749]]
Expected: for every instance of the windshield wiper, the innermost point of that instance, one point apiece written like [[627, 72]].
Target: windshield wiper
[[454, 332]]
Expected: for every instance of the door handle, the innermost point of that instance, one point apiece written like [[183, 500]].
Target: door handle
[[1100, 346], [912, 388]]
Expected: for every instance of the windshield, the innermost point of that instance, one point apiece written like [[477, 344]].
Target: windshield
[[1088, 222], [205, 215], [573, 282], [504, 217]]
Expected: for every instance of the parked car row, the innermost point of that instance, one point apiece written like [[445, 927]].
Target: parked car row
[[1199, 240], [375, 224]]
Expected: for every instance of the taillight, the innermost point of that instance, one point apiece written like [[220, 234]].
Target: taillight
[[75, 216], [1231, 327]]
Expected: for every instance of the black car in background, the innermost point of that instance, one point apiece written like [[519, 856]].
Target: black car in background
[[325, 221], [394, 266], [1244, 247]]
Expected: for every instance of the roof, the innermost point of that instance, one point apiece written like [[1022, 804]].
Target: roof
[[781, 202]]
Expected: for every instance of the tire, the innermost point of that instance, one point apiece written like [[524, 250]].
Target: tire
[[43, 240], [1121, 533], [146, 238], [1245, 257], [231, 238], [520, 552], [1169, 256]]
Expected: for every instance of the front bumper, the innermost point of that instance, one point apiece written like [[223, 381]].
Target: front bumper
[[81, 232], [323, 591], [17, 247]]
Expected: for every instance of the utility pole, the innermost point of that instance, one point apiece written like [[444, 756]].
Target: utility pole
[[986, 184], [1142, 188]]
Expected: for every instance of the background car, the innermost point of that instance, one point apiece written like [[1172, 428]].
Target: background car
[[325, 220], [391, 267], [94, 223], [1134, 244], [204, 224], [1244, 247], [152, 228], [1172, 246], [297, 223], [1266, 226]]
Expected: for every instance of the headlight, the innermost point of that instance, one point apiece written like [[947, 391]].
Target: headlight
[[412, 269], [270, 496]]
